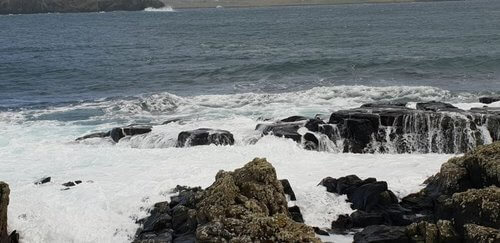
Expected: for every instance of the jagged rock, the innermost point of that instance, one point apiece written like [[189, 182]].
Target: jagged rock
[[247, 205], [43, 180], [65, 6], [442, 232], [204, 136], [489, 99], [72, 183], [296, 214], [4, 203], [480, 234], [95, 135], [382, 234], [432, 127], [118, 133], [474, 206], [287, 188], [477, 169], [294, 119], [436, 106], [282, 129], [342, 223], [319, 231], [385, 105]]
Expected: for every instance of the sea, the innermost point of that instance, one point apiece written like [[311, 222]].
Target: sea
[[67, 75]]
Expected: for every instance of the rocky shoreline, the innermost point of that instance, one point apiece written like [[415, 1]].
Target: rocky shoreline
[[73, 6], [461, 203], [430, 127]]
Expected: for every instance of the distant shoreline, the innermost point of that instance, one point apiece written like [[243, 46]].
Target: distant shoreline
[[140, 5]]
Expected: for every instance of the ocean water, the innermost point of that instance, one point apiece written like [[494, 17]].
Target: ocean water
[[66, 75]]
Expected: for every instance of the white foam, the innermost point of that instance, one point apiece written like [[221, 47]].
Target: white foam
[[162, 9]]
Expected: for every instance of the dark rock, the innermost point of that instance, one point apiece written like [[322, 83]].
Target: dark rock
[[442, 232], [43, 180], [359, 134], [347, 184], [480, 234], [287, 188], [151, 237], [296, 214], [311, 142], [285, 129], [489, 99], [204, 136], [330, 184], [342, 223], [118, 133], [294, 119], [157, 223], [185, 238], [63, 6], [314, 124], [436, 106], [385, 105], [69, 184], [382, 234], [361, 219], [13, 237], [95, 135], [185, 198], [183, 220], [319, 231], [372, 196]]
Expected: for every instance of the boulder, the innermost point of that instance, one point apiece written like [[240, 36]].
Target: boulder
[[480, 234], [287, 189], [43, 180], [294, 119], [246, 205], [204, 136], [282, 129], [382, 234], [489, 99], [4, 203]]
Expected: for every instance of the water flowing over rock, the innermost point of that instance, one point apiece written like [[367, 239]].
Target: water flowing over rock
[[489, 99], [64, 6], [247, 205], [4, 203], [204, 136], [433, 127]]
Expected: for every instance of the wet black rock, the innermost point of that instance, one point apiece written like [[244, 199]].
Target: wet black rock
[[489, 99], [43, 180], [436, 106], [118, 133], [296, 214], [319, 231], [71, 183], [282, 129], [204, 136], [433, 127], [382, 234], [294, 119], [287, 188]]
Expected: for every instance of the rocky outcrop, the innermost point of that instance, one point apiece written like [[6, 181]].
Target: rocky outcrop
[[204, 136], [64, 6], [435, 127], [459, 204], [489, 99], [246, 205], [118, 133], [4, 203]]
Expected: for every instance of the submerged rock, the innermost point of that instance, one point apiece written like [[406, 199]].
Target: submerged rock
[[204, 136], [43, 180]]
